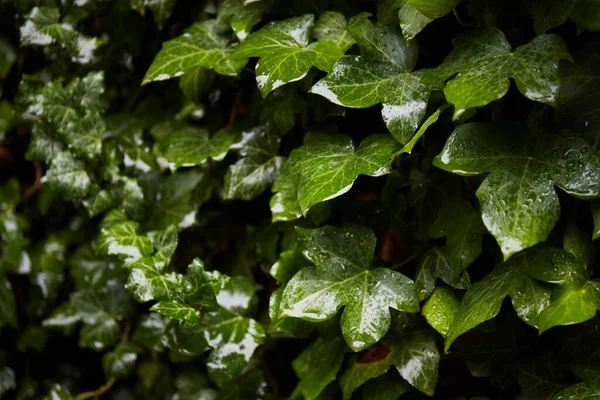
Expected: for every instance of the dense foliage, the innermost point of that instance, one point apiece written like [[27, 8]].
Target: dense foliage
[[269, 199]]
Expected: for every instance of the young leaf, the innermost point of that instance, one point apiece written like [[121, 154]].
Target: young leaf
[[414, 354], [343, 276], [286, 52], [519, 205], [482, 64], [204, 44], [381, 75], [325, 167]]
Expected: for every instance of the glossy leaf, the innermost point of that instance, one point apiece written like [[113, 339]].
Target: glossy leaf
[[242, 17], [434, 8], [345, 278], [193, 146], [484, 59], [381, 75], [441, 308], [204, 44], [287, 53], [519, 205]]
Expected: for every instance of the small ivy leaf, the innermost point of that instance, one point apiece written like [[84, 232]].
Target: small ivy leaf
[[178, 311], [120, 362], [42, 28], [90, 271], [343, 276], [63, 318], [122, 239], [512, 278], [519, 205], [150, 331], [441, 308], [57, 392], [414, 354], [204, 44], [434, 8], [99, 335], [412, 22], [325, 167], [462, 227], [8, 308], [241, 17], [259, 166], [192, 146], [84, 137], [381, 75], [68, 177], [317, 366], [584, 390], [482, 64], [286, 52], [161, 10]]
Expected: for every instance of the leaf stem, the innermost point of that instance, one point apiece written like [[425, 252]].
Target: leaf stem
[[101, 390]]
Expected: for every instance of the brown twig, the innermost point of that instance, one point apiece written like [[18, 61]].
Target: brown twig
[[37, 184], [101, 390]]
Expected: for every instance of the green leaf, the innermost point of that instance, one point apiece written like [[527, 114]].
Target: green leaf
[[387, 11], [120, 362], [287, 53], [584, 390], [150, 332], [8, 56], [381, 75], [482, 63], [64, 319], [412, 22], [68, 177], [242, 17], [122, 240], [441, 308], [204, 44], [343, 276], [192, 384], [100, 335], [463, 230], [414, 354], [7, 380], [550, 14], [161, 10], [511, 278], [318, 365], [434, 8], [8, 310], [193, 146], [325, 167], [259, 166], [196, 82], [57, 392], [519, 205], [280, 107], [432, 119], [540, 379], [386, 387]]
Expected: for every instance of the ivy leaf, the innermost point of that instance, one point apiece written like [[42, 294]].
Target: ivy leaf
[[204, 44], [242, 17], [381, 75], [64, 318], [511, 278], [57, 392], [122, 239], [482, 64], [150, 331], [434, 8], [286, 52], [161, 10], [463, 228], [68, 177], [519, 205], [539, 380], [387, 11], [584, 390], [120, 362], [192, 146], [280, 107], [325, 167], [343, 276], [550, 14], [441, 308], [317, 366], [412, 22], [42, 28], [414, 354], [386, 387], [258, 167], [192, 384]]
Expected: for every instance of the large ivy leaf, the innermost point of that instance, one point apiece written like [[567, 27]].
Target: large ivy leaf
[[381, 75], [463, 228], [204, 44], [519, 205], [512, 278], [343, 276], [481, 65], [317, 366], [259, 166], [414, 354], [325, 167], [286, 52]]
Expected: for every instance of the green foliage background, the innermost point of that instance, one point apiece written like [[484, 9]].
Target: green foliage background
[[270, 199]]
